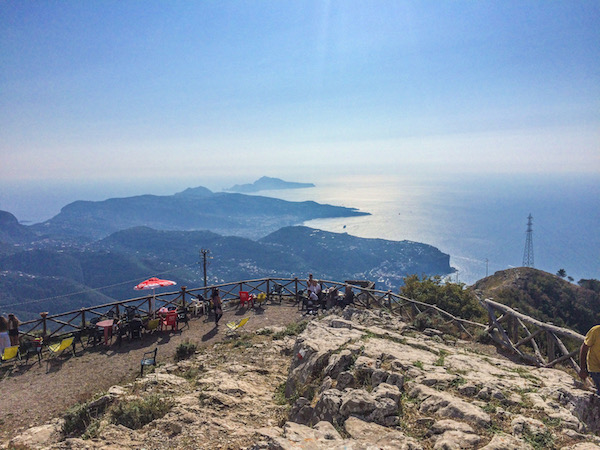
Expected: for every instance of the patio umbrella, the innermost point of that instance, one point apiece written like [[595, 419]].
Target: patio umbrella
[[153, 283]]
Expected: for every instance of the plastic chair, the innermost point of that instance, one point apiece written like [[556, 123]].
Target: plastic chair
[[235, 326], [11, 353], [245, 297], [170, 320], [57, 349], [152, 325], [135, 328], [182, 317], [261, 299], [277, 289], [148, 359]]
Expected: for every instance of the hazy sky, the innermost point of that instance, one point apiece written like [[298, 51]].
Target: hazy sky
[[136, 89]]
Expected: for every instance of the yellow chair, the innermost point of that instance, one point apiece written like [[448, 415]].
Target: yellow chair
[[261, 299], [11, 353], [57, 349], [152, 325], [235, 326]]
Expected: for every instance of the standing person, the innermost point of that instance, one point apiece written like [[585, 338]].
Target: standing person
[[589, 356], [217, 305], [13, 329], [4, 339]]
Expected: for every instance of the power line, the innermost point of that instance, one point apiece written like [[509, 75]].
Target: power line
[[87, 290]]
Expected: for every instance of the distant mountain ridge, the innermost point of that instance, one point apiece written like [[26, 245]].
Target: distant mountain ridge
[[267, 184], [137, 253], [193, 209]]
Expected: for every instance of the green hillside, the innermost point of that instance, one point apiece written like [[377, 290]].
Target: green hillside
[[543, 296]]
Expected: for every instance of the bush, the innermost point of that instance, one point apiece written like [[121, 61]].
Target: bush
[[77, 419], [137, 413], [184, 351], [293, 329], [451, 297]]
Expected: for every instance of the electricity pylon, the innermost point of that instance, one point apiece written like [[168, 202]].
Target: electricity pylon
[[528, 253]]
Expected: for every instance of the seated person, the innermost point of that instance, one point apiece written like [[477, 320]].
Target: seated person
[[312, 305]]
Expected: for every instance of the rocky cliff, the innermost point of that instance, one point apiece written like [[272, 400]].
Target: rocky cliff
[[352, 379]]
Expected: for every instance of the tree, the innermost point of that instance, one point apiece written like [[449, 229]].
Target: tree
[[562, 273], [451, 297]]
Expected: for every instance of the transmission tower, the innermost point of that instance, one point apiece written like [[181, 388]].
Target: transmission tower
[[528, 253]]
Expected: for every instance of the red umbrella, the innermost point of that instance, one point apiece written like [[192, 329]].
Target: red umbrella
[[153, 283]]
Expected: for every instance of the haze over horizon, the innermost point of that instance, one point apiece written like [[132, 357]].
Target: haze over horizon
[[126, 91]]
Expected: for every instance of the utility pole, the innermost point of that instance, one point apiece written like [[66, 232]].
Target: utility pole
[[204, 254], [528, 253]]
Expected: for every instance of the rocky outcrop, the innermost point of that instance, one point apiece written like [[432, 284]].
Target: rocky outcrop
[[355, 380]]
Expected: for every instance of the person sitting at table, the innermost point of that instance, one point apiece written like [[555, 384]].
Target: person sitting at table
[[312, 285], [312, 305]]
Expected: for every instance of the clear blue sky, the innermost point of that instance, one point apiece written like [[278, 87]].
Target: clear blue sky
[[137, 89]]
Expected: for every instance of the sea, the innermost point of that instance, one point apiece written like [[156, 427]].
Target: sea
[[479, 220]]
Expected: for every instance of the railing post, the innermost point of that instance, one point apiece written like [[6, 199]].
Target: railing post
[[513, 331], [183, 288], [82, 318], [389, 298], [268, 290], [296, 289], [551, 344], [117, 311], [44, 329]]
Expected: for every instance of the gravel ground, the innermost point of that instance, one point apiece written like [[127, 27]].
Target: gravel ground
[[33, 393]]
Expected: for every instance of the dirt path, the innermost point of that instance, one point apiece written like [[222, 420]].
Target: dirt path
[[34, 393]]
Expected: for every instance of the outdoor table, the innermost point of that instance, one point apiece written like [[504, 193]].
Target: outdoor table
[[107, 325]]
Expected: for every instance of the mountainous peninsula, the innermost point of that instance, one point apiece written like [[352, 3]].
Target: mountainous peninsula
[[193, 209], [268, 184]]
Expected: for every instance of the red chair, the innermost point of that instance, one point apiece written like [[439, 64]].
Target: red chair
[[245, 297], [169, 320]]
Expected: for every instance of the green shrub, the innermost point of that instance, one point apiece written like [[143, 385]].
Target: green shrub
[[184, 351], [137, 413], [77, 419], [293, 329]]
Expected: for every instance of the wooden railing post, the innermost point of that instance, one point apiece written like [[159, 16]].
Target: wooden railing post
[[513, 330], [296, 288], [551, 346], [82, 318], [268, 290], [389, 299], [183, 288], [44, 328]]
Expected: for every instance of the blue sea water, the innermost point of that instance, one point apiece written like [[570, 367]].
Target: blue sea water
[[480, 221]]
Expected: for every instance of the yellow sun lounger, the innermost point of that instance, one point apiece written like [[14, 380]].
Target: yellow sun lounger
[[235, 326], [57, 349], [10, 353]]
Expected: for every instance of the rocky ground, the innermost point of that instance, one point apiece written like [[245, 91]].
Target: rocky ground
[[350, 380]]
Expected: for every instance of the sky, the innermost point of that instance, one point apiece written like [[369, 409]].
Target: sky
[[119, 91]]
